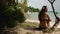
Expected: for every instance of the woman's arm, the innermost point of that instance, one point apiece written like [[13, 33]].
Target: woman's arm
[[48, 18]]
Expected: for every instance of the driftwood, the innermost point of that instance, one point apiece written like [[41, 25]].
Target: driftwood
[[56, 17]]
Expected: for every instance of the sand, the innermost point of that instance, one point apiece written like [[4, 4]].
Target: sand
[[30, 30], [37, 21]]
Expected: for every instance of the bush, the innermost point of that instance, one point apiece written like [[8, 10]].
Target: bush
[[20, 15], [15, 14], [11, 16]]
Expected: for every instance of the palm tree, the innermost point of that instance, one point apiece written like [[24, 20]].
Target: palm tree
[[24, 5]]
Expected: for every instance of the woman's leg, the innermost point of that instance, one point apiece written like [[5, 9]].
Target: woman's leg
[[48, 23]]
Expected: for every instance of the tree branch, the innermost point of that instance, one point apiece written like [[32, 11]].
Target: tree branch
[[51, 1], [57, 18]]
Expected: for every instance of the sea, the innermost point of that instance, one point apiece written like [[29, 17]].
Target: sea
[[34, 15]]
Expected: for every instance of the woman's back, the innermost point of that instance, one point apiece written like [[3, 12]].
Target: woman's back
[[43, 18]]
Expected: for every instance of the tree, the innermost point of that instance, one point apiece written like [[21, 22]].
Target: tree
[[23, 5], [32, 9], [56, 17], [10, 14]]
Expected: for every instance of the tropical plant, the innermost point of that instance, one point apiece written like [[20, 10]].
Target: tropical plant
[[23, 5], [10, 15]]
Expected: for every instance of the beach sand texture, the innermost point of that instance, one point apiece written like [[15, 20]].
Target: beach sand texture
[[30, 30], [37, 21]]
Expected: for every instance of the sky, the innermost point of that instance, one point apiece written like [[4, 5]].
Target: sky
[[40, 3]]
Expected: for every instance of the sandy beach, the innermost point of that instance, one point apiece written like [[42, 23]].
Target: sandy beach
[[37, 21], [29, 28]]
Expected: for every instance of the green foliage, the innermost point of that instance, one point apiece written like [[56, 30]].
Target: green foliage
[[19, 13], [16, 15], [11, 16], [23, 4], [9, 11], [12, 23], [32, 9]]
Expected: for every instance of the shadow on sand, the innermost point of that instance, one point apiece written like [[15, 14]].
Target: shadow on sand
[[38, 29]]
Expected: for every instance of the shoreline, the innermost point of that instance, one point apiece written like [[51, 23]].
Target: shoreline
[[37, 21], [30, 20]]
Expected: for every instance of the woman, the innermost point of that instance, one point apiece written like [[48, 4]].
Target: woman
[[44, 18]]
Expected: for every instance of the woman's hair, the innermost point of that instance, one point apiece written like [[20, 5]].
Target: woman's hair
[[43, 10]]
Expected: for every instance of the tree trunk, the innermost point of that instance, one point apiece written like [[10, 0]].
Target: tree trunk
[[56, 17]]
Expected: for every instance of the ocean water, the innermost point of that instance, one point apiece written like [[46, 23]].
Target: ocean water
[[34, 16]]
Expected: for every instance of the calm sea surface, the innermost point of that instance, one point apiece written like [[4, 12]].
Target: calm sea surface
[[34, 16]]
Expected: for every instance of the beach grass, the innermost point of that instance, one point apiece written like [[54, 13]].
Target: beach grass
[[28, 28], [28, 24], [34, 25]]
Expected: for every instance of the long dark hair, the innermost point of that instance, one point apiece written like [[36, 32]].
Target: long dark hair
[[43, 10]]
